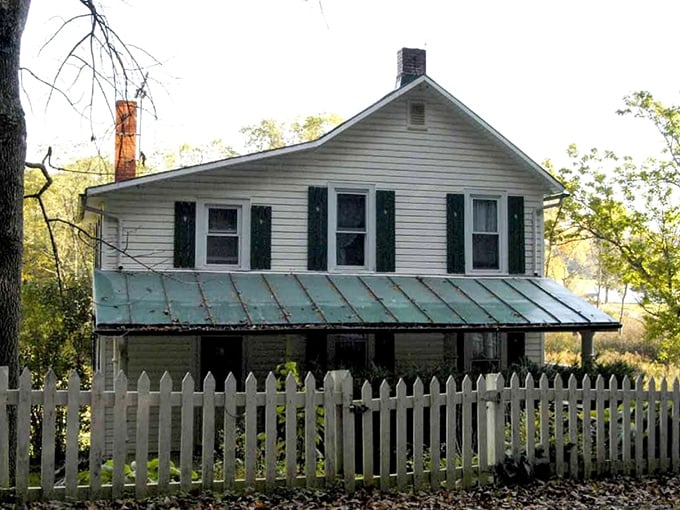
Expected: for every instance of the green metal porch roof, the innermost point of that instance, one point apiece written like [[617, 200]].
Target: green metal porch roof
[[203, 301]]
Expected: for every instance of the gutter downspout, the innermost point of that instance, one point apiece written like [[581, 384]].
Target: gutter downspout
[[560, 198], [119, 227]]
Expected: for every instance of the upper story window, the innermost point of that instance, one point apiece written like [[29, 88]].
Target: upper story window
[[351, 227], [485, 238], [222, 240]]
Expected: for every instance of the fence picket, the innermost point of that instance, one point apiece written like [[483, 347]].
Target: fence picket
[[675, 430], [164, 431], [530, 422], [291, 429], [23, 435], [186, 445], [72, 433], [545, 420], [418, 432], [587, 442], [270, 431], [663, 426], [625, 432], [402, 437], [466, 412], [651, 428], [310, 431], [599, 424], [435, 434], [348, 434], [515, 408], [613, 426], [639, 426], [120, 389], [559, 426], [367, 433], [330, 428], [385, 451], [229, 453], [450, 433], [251, 430], [4, 428], [48, 434], [96, 434], [482, 436], [572, 399], [142, 435], [208, 433]]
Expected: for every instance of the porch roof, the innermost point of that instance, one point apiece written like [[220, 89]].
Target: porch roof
[[181, 301]]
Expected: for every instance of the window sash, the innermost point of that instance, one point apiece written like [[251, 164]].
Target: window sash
[[351, 229], [485, 233], [215, 238]]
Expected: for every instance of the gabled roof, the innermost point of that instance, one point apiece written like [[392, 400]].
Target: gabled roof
[[553, 184], [181, 301]]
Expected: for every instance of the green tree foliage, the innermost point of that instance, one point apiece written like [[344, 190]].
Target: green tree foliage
[[273, 134], [632, 211]]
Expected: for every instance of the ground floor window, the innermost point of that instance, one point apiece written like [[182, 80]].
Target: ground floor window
[[352, 351]]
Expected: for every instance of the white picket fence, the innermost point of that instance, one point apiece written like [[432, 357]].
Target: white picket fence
[[436, 436]]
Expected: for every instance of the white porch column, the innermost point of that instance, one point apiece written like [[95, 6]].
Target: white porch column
[[587, 348]]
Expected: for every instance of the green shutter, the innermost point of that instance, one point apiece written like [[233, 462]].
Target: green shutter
[[455, 234], [317, 229], [260, 237], [516, 246], [185, 234], [384, 224]]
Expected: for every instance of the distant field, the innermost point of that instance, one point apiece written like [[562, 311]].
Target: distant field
[[629, 345]]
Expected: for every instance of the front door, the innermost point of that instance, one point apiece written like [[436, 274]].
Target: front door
[[221, 355]]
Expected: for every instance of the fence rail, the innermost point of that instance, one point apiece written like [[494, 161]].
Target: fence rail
[[310, 434]]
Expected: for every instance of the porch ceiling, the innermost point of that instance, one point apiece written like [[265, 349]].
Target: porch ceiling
[[199, 301]]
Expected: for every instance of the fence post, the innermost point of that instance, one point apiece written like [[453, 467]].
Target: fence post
[[338, 376], [495, 419]]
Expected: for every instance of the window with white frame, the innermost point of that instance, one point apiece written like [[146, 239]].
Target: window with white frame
[[351, 232], [223, 239], [485, 233]]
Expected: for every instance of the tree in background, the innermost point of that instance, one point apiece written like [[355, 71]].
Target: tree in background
[[273, 134], [632, 212]]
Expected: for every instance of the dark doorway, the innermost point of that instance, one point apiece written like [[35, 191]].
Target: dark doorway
[[516, 348], [221, 355]]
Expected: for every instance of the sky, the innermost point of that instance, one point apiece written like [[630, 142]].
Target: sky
[[543, 73]]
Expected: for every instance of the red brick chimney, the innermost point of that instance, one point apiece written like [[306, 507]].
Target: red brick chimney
[[410, 65], [126, 140]]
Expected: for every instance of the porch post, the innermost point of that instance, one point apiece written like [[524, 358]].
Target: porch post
[[587, 350]]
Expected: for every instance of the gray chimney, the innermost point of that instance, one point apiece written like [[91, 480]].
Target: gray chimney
[[410, 65]]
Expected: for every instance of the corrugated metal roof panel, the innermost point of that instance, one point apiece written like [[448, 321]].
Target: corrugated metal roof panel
[[182, 301]]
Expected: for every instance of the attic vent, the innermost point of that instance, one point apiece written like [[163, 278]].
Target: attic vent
[[416, 115]]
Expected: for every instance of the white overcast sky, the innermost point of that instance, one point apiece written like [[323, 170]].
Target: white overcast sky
[[543, 73]]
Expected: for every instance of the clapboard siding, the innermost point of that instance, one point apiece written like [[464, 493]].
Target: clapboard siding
[[533, 347], [418, 350], [452, 155]]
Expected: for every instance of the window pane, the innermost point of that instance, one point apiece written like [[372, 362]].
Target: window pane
[[485, 251], [484, 345], [485, 216], [350, 351], [222, 220], [222, 250], [351, 212], [350, 249]]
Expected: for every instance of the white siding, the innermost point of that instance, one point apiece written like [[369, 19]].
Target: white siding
[[452, 155], [534, 347]]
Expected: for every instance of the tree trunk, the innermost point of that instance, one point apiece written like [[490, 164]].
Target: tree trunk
[[12, 158]]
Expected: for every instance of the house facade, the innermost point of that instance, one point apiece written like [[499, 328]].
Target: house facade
[[409, 236]]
